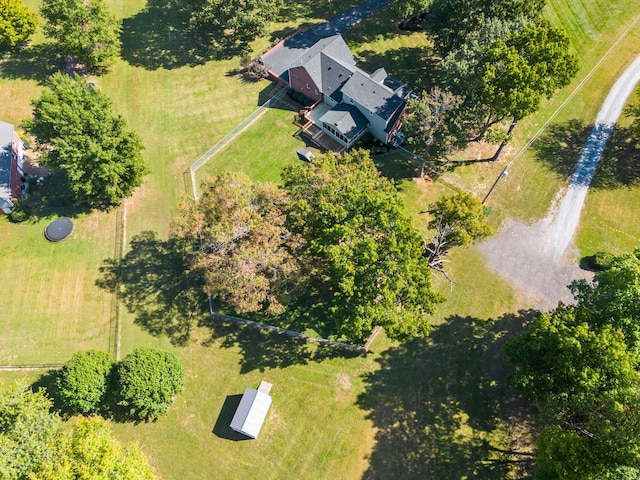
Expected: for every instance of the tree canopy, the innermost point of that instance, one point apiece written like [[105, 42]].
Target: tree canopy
[[465, 214], [503, 71], [451, 21], [581, 364], [17, 22], [527, 65], [431, 125], [78, 132], [148, 380], [366, 256], [85, 380], [236, 239], [34, 443], [232, 21], [28, 432], [84, 29]]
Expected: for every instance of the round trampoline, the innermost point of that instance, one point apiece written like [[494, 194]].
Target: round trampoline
[[59, 229]]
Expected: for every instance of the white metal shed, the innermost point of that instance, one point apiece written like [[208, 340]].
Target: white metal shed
[[252, 410]]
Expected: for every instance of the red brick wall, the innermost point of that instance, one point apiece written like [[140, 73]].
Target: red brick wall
[[299, 79]]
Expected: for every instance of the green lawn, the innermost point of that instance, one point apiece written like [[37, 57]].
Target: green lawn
[[313, 429], [261, 151], [52, 307], [438, 406], [540, 173]]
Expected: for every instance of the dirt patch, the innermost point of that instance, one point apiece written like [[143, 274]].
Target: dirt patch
[[343, 380], [521, 254]]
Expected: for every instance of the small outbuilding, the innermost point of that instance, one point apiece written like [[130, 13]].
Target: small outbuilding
[[305, 155], [252, 410]]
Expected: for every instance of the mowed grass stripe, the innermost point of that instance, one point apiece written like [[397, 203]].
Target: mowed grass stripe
[[54, 307], [581, 20]]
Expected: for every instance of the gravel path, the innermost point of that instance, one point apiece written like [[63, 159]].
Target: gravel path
[[538, 258]]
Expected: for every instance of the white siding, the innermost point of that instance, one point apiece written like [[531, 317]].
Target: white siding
[[251, 413]]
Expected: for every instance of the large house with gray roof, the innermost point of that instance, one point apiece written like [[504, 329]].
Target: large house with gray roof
[[11, 158], [349, 101]]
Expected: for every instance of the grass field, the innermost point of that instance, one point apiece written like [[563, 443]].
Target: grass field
[[535, 178], [52, 307], [261, 151], [437, 408]]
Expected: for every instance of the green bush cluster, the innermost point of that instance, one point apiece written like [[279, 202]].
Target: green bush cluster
[[145, 382], [20, 212], [301, 98]]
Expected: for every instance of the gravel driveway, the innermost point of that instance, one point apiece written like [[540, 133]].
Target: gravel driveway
[[538, 259]]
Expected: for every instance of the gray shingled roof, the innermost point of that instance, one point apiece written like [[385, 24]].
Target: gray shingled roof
[[335, 73], [296, 51], [279, 58], [6, 140], [375, 97], [346, 119]]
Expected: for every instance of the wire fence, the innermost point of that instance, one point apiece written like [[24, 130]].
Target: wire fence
[[257, 113], [31, 366], [293, 334]]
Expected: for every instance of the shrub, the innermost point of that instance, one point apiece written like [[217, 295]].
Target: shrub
[[85, 381], [598, 262], [148, 379], [20, 212]]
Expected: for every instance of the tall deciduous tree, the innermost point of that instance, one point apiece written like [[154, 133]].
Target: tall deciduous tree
[[34, 444], [451, 21], [85, 29], [28, 432], [74, 124], [17, 22], [519, 71], [232, 21], [90, 452], [581, 363], [466, 216], [366, 255], [457, 220], [236, 238], [148, 380], [430, 126], [85, 380]]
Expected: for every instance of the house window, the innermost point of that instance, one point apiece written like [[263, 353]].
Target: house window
[[308, 87], [317, 93]]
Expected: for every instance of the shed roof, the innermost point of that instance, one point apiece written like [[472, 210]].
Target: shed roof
[[251, 412]]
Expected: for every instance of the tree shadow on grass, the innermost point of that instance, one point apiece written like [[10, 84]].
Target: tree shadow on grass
[[294, 9], [411, 65], [620, 162], [261, 349], [159, 37], [35, 62], [53, 198], [48, 381], [154, 285], [561, 145], [442, 409], [380, 25], [396, 167]]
